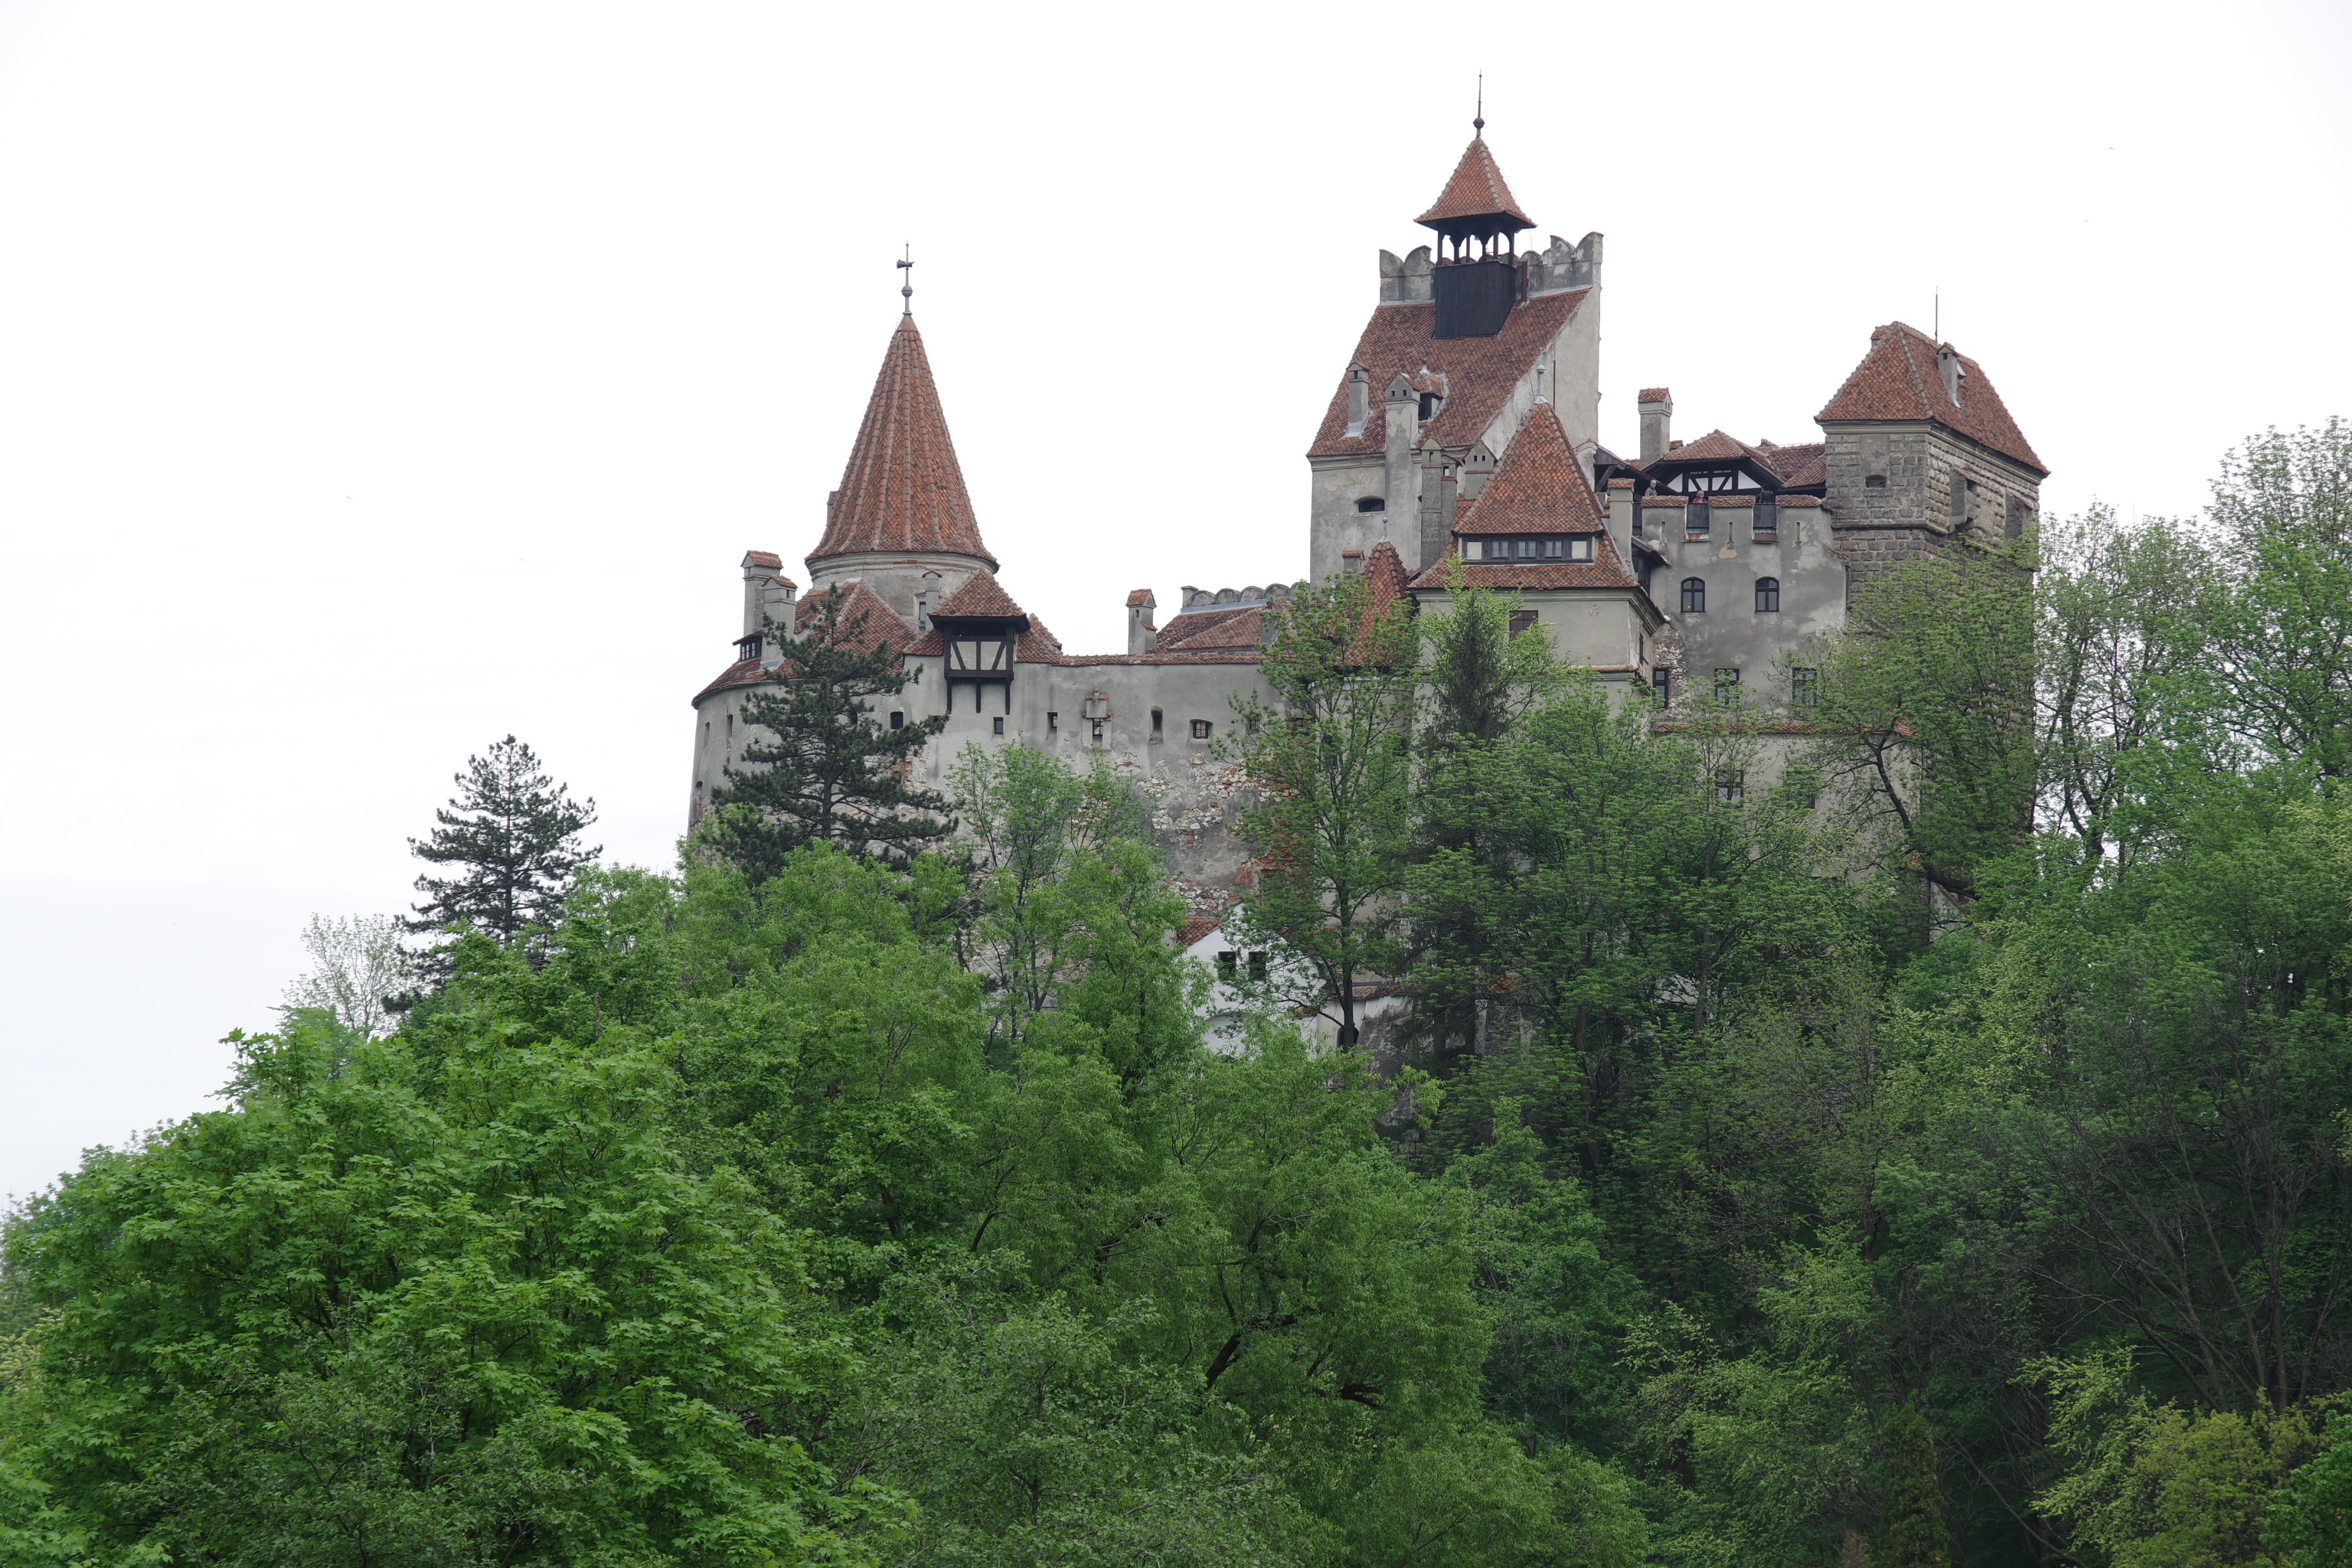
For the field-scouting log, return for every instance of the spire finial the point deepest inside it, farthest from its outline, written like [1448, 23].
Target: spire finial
[906, 286]
[1478, 124]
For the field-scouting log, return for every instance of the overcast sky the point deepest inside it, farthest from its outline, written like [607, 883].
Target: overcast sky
[379, 379]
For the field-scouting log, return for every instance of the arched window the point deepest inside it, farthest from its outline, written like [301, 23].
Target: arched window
[1371, 503]
[1694, 597]
[1768, 593]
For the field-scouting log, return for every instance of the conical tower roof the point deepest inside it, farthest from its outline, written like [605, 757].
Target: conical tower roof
[903, 491]
[1476, 191]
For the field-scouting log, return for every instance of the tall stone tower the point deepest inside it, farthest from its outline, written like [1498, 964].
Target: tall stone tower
[1464, 341]
[902, 520]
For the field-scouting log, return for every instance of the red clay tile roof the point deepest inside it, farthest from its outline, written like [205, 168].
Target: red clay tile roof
[1802, 501]
[1522, 574]
[980, 596]
[1621, 484]
[881, 623]
[1540, 487]
[1717, 502]
[1200, 630]
[1816, 472]
[1789, 462]
[1139, 599]
[1648, 502]
[1197, 924]
[742, 673]
[903, 491]
[1715, 447]
[1897, 379]
[1480, 372]
[1654, 395]
[762, 558]
[1477, 190]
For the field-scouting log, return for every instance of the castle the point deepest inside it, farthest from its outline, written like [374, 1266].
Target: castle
[1466, 425]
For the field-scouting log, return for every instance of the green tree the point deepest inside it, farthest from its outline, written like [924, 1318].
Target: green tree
[2310, 1523]
[830, 770]
[513, 835]
[1924, 727]
[2283, 504]
[1326, 760]
[381, 1311]
[1911, 1532]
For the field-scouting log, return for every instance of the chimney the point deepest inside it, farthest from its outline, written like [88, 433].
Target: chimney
[1620, 518]
[1402, 404]
[1437, 487]
[1657, 408]
[1142, 634]
[1359, 399]
[1351, 562]
[1948, 367]
[759, 565]
[779, 606]
[925, 592]
[1476, 469]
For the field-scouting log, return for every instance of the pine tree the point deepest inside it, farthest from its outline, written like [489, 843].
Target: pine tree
[514, 835]
[832, 771]
[1911, 1532]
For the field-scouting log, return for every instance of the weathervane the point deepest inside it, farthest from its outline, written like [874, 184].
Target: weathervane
[907, 287]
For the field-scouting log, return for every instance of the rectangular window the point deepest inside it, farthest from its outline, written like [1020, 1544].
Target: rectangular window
[1730, 785]
[1000, 726]
[1727, 687]
[1227, 962]
[1202, 728]
[897, 721]
[1155, 723]
[1258, 965]
[1768, 516]
[1580, 547]
[1551, 547]
[1052, 722]
[1521, 620]
[1698, 519]
[1804, 688]
[1662, 687]
[1098, 734]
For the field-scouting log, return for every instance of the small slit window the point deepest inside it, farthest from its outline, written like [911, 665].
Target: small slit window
[1768, 593]
[999, 724]
[1694, 595]
[1202, 728]
[1371, 503]
[897, 721]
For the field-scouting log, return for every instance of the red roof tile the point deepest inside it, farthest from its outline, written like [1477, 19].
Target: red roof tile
[762, 558]
[1621, 484]
[1479, 371]
[1897, 379]
[1540, 487]
[1648, 502]
[903, 491]
[1654, 395]
[1520, 574]
[1477, 190]
[1802, 500]
[1717, 502]
[880, 622]
[1715, 447]
[1792, 462]
[1140, 599]
[1202, 629]
[980, 596]
[1197, 924]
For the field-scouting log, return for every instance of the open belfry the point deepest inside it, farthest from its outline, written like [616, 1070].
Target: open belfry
[1461, 443]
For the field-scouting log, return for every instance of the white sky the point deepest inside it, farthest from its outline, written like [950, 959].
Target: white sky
[379, 379]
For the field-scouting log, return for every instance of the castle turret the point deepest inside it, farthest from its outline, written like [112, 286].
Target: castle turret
[902, 519]
[1474, 293]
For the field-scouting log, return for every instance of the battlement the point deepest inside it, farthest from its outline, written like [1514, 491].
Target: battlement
[1559, 267]
[1198, 599]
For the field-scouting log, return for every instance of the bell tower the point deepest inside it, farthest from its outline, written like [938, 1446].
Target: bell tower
[1476, 277]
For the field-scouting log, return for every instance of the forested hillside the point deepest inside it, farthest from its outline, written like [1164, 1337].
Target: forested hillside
[1911, 1127]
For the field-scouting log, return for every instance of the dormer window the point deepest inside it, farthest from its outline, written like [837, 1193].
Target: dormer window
[751, 646]
[1371, 503]
[1429, 403]
[1533, 547]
